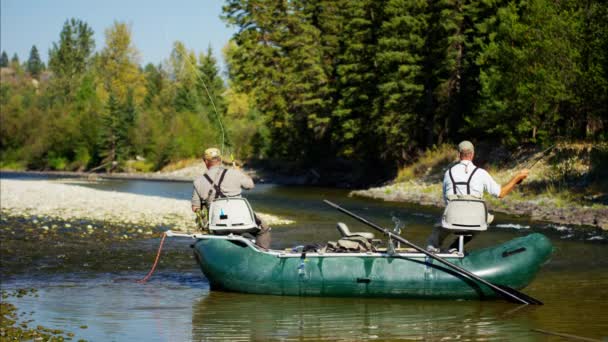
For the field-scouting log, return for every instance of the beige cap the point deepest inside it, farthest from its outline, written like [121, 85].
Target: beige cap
[212, 153]
[466, 146]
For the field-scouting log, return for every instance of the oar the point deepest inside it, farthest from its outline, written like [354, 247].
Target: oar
[506, 292]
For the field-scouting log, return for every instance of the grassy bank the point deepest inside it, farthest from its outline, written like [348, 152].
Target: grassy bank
[567, 184]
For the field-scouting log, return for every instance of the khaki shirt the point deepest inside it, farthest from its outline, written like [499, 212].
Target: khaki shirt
[231, 186]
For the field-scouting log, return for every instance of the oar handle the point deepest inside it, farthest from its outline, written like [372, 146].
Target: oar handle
[517, 297]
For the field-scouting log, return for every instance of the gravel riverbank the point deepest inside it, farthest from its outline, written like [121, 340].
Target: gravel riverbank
[69, 201]
[542, 209]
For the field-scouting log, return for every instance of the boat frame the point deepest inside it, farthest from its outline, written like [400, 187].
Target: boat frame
[295, 254]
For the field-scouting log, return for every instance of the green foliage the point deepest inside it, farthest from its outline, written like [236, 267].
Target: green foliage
[14, 60]
[69, 59]
[34, 65]
[430, 166]
[374, 83]
[118, 66]
[3, 60]
[57, 163]
[526, 71]
[390, 79]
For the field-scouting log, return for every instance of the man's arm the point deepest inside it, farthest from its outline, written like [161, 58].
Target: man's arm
[196, 200]
[446, 183]
[246, 181]
[507, 188]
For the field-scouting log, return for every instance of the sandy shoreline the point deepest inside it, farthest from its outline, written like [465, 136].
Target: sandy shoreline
[53, 198]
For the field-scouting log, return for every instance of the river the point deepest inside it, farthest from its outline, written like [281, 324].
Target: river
[105, 303]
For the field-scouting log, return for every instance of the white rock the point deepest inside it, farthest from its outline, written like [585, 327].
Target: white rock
[69, 201]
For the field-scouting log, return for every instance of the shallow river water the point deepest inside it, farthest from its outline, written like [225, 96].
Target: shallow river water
[106, 303]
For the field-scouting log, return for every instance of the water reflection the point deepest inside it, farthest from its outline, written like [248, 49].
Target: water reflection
[237, 317]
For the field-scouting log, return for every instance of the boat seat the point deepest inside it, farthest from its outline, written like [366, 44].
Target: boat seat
[345, 232]
[231, 215]
[465, 214]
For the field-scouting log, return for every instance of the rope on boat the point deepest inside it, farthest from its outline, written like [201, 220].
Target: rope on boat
[160, 248]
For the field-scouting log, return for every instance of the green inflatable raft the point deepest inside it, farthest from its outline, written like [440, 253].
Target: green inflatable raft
[234, 263]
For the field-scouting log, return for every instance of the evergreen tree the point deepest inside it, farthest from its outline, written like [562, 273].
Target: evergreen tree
[257, 65]
[526, 70]
[3, 60]
[211, 93]
[110, 133]
[15, 59]
[311, 81]
[588, 115]
[356, 112]
[69, 59]
[328, 17]
[400, 59]
[184, 72]
[117, 124]
[34, 64]
[154, 83]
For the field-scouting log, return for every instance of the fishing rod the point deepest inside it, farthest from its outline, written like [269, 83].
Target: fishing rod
[530, 164]
[198, 72]
[542, 156]
[217, 114]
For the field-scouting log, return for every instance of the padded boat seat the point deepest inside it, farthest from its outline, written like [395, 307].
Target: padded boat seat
[465, 214]
[345, 232]
[231, 215]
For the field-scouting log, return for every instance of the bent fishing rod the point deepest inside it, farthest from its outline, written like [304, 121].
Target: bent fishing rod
[535, 161]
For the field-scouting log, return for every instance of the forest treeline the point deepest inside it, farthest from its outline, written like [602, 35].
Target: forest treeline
[101, 110]
[316, 81]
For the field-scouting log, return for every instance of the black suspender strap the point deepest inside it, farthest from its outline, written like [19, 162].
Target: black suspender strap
[216, 187]
[452, 179]
[467, 183]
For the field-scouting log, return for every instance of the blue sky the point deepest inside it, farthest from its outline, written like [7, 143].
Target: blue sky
[155, 24]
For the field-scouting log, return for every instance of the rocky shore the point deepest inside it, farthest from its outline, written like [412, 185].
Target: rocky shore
[61, 200]
[537, 209]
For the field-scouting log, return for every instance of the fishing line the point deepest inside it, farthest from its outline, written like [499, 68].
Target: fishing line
[198, 72]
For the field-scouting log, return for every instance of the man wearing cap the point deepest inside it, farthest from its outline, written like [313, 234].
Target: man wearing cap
[466, 179]
[230, 182]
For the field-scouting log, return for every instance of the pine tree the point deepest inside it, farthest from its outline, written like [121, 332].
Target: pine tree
[525, 72]
[69, 59]
[34, 64]
[117, 126]
[184, 72]
[15, 59]
[400, 59]
[154, 83]
[328, 17]
[257, 66]
[110, 133]
[211, 93]
[589, 114]
[356, 113]
[4, 60]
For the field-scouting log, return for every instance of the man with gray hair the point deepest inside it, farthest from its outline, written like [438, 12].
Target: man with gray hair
[220, 182]
[466, 179]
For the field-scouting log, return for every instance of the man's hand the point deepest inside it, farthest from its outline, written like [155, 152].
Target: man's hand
[521, 175]
[518, 178]
[195, 209]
